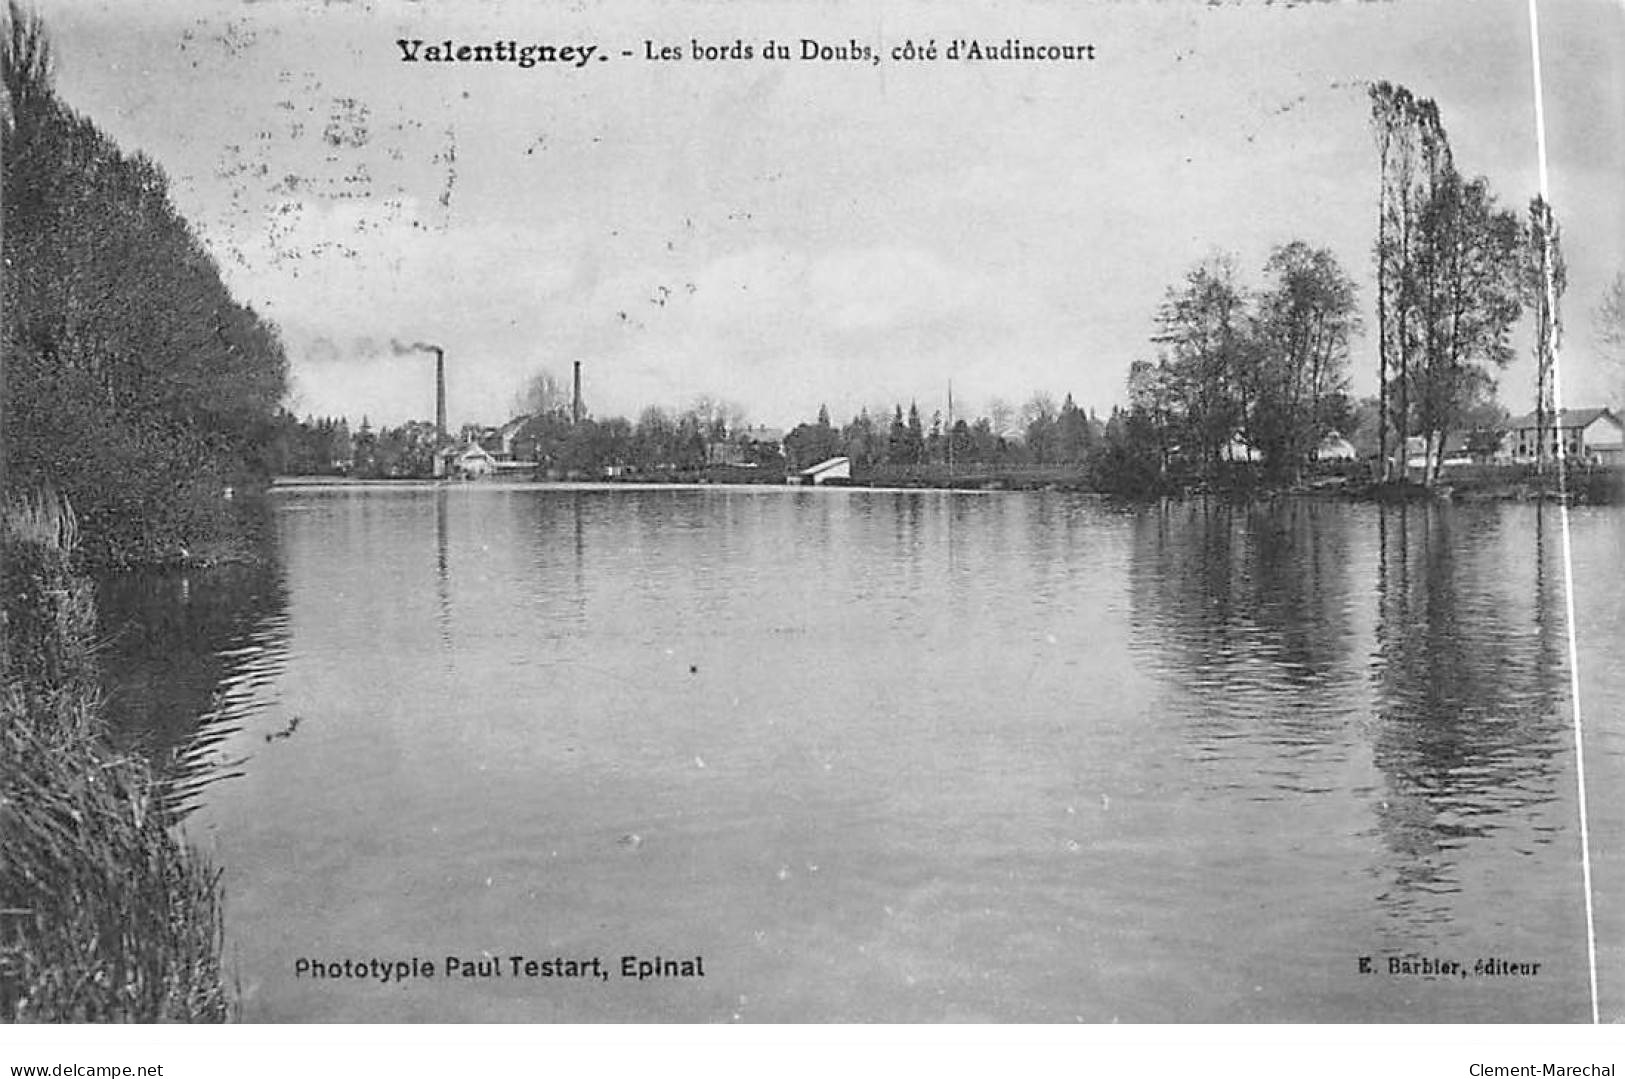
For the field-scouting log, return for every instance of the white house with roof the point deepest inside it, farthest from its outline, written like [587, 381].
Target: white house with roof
[1592, 435]
[468, 461]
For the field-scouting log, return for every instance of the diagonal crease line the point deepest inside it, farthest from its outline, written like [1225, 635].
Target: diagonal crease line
[1563, 511]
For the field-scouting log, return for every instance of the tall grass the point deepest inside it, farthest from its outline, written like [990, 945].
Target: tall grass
[105, 913]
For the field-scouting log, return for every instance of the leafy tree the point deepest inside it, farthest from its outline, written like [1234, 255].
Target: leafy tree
[1392, 111]
[897, 439]
[1001, 418]
[1451, 272]
[1038, 419]
[962, 442]
[862, 441]
[936, 445]
[1470, 296]
[1296, 371]
[613, 442]
[717, 417]
[1130, 460]
[1545, 277]
[914, 444]
[1415, 159]
[1074, 435]
[1151, 404]
[654, 438]
[364, 450]
[809, 443]
[690, 449]
[987, 445]
[1203, 330]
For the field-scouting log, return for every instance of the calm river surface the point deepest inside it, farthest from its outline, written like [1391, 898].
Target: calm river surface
[900, 756]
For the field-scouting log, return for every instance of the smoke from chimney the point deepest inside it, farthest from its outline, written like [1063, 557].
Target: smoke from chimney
[439, 379]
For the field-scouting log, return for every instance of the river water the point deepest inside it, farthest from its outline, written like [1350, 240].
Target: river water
[900, 756]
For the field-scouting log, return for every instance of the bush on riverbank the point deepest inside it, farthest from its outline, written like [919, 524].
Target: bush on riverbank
[105, 914]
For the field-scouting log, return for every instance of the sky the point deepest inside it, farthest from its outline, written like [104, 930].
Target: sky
[789, 233]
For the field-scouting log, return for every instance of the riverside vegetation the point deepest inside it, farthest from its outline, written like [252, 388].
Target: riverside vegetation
[135, 385]
[105, 913]
[137, 393]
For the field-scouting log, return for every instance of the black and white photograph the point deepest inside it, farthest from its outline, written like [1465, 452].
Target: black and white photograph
[813, 513]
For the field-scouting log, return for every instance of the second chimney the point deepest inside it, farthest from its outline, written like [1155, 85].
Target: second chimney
[440, 393]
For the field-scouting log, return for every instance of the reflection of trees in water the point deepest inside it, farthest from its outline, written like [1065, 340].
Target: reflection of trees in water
[1249, 615]
[1247, 606]
[1468, 681]
[184, 652]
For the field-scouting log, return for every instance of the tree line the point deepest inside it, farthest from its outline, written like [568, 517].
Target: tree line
[1263, 372]
[1455, 273]
[1243, 371]
[663, 440]
[1042, 433]
[135, 385]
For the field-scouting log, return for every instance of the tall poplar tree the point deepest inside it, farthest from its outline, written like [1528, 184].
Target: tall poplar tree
[1449, 277]
[1545, 280]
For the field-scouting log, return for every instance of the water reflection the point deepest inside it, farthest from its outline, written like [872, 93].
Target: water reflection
[1468, 677]
[188, 655]
[556, 529]
[1257, 621]
[1247, 611]
[907, 755]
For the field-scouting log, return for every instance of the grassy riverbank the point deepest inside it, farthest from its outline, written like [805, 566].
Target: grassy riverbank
[1592, 485]
[106, 915]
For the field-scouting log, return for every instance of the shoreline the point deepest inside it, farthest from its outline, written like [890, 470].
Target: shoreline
[1601, 486]
[110, 915]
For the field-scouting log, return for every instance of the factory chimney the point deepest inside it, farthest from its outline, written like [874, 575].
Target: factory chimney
[440, 393]
[575, 401]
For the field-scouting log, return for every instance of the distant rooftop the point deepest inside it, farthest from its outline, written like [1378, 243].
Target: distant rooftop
[1568, 417]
